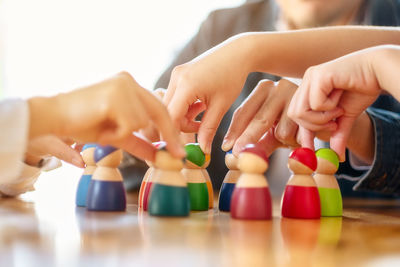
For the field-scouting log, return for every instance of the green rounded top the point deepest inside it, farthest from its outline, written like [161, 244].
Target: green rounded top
[328, 154]
[194, 154]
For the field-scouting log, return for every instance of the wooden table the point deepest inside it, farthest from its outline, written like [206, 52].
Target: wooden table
[44, 228]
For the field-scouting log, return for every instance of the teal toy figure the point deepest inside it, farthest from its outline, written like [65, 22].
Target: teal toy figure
[197, 184]
[84, 181]
[328, 188]
[169, 194]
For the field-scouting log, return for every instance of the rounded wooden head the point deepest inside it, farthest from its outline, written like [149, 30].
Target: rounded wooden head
[252, 159]
[328, 161]
[165, 161]
[194, 154]
[107, 156]
[302, 161]
[231, 161]
[88, 154]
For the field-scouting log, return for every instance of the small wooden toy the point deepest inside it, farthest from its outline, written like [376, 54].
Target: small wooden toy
[106, 190]
[208, 181]
[169, 195]
[301, 197]
[194, 176]
[83, 186]
[251, 199]
[231, 177]
[145, 187]
[328, 188]
[147, 181]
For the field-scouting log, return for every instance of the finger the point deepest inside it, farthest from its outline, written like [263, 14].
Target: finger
[339, 138]
[286, 130]
[269, 143]
[329, 126]
[305, 138]
[209, 124]
[262, 121]
[322, 117]
[138, 147]
[57, 148]
[247, 110]
[159, 115]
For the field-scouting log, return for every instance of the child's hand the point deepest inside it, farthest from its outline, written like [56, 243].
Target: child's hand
[106, 113]
[214, 79]
[348, 84]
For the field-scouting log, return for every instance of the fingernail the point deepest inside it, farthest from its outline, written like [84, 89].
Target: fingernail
[182, 151]
[227, 144]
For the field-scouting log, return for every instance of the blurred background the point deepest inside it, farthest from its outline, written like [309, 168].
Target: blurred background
[51, 46]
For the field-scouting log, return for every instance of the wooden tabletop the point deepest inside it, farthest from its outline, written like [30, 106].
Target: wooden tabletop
[44, 228]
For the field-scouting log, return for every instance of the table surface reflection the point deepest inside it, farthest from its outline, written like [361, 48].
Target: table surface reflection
[39, 229]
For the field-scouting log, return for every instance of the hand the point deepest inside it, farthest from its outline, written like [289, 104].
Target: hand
[346, 85]
[106, 113]
[210, 82]
[50, 145]
[264, 109]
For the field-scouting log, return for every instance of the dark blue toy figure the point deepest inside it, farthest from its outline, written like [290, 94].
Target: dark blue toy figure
[83, 186]
[231, 177]
[106, 190]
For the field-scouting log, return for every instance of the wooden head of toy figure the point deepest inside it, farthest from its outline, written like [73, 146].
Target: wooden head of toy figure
[107, 156]
[195, 157]
[231, 161]
[88, 154]
[164, 160]
[328, 161]
[252, 159]
[302, 161]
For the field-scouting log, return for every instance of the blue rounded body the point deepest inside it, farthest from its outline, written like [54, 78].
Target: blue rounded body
[106, 196]
[225, 196]
[81, 192]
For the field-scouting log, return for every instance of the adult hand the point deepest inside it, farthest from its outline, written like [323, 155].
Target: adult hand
[210, 82]
[106, 113]
[50, 145]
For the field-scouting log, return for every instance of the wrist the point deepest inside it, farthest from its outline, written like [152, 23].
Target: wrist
[43, 116]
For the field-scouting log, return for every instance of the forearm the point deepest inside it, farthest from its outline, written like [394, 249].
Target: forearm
[385, 62]
[290, 53]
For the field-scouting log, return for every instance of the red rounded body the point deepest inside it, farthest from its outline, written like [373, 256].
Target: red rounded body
[251, 203]
[301, 202]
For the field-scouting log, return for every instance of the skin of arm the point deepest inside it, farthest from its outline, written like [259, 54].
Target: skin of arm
[227, 65]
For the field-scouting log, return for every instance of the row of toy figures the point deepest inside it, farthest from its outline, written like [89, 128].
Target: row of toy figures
[245, 192]
[174, 193]
[172, 187]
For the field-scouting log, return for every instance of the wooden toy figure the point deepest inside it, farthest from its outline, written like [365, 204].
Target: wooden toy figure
[251, 199]
[208, 181]
[147, 181]
[169, 195]
[301, 198]
[231, 177]
[328, 188]
[194, 176]
[145, 187]
[106, 190]
[83, 186]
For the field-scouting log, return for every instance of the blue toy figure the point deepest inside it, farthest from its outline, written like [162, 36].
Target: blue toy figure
[83, 186]
[106, 190]
[229, 182]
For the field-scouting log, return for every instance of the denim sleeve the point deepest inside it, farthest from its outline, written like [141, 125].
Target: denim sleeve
[384, 174]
